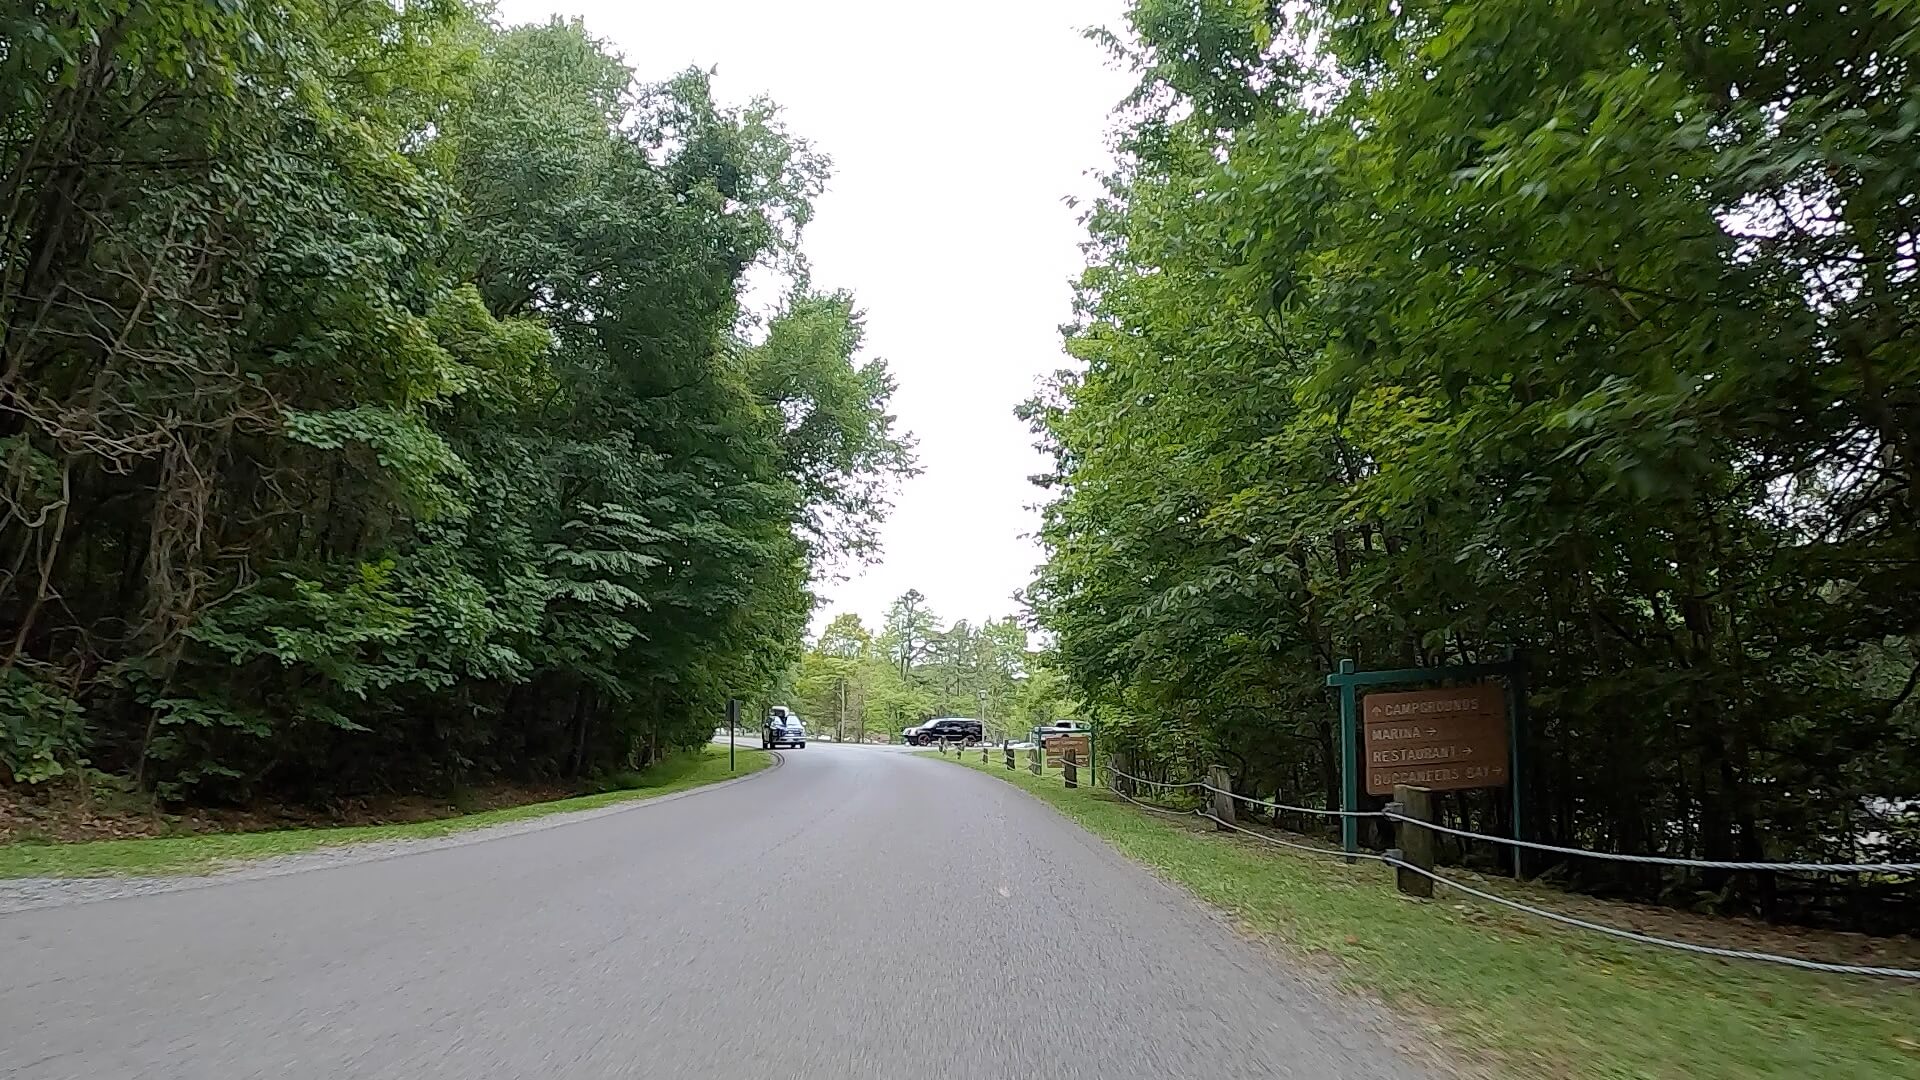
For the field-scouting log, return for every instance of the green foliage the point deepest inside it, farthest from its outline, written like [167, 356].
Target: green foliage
[913, 671]
[1413, 336]
[838, 439]
[404, 448]
[381, 412]
[42, 731]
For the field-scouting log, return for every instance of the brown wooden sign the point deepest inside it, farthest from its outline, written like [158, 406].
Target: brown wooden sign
[1058, 745]
[1440, 739]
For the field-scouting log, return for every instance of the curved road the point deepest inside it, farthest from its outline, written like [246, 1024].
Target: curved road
[858, 912]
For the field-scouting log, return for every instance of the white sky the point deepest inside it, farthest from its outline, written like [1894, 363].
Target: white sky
[955, 132]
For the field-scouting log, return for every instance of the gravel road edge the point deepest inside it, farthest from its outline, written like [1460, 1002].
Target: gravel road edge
[35, 893]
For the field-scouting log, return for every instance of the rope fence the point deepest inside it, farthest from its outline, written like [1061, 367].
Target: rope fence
[1648, 939]
[1162, 784]
[1396, 859]
[1296, 809]
[1315, 849]
[1150, 806]
[1094, 770]
[1664, 860]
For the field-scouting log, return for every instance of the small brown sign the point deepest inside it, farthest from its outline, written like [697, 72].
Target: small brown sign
[1058, 745]
[1440, 739]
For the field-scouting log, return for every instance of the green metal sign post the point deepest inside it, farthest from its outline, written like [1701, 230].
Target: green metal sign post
[1349, 680]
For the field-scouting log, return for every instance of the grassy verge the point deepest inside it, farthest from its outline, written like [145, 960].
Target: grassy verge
[197, 854]
[1515, 994]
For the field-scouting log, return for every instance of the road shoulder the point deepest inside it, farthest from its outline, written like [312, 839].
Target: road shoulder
[301, 851]
[1507, 995]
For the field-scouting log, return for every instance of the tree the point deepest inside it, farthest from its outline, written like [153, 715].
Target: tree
[1412, 336]
[838, 439]
[958, 671]
[909, 630]
[830, 690]
[377, 408]
[1041, 698]
[846, 637]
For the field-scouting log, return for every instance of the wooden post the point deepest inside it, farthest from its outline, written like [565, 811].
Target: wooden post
[1009, 751]
[1415, 842]
[1070, 768]
[1222, 802]
[983, 753]
[1033, 761]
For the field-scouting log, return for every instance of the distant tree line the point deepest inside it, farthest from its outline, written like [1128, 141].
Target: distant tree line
[873, 684]
[1412, 333]
[377, 406]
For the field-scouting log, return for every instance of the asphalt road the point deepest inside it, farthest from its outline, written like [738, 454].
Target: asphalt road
[858, 912]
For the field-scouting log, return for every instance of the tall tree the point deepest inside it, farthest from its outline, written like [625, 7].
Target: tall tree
[377, 407]
[909, 630]
[1412, 335]
[846, 637]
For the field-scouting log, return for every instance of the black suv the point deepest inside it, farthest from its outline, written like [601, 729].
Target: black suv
[964, 732]
[783, 729]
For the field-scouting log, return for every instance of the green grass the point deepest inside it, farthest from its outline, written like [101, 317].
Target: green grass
[198, 854]
[1512, 993]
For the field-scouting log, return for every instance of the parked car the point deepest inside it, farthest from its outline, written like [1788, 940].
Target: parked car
[783, 728]
[952, 729]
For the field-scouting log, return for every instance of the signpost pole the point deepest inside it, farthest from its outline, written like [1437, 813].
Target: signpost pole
[1516, 742]
[1349, 763]
[733, 722]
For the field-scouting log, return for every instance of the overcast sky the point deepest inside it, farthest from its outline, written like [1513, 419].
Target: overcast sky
[955, 131]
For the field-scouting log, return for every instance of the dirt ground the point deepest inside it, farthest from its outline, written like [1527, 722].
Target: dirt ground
[69, 813]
